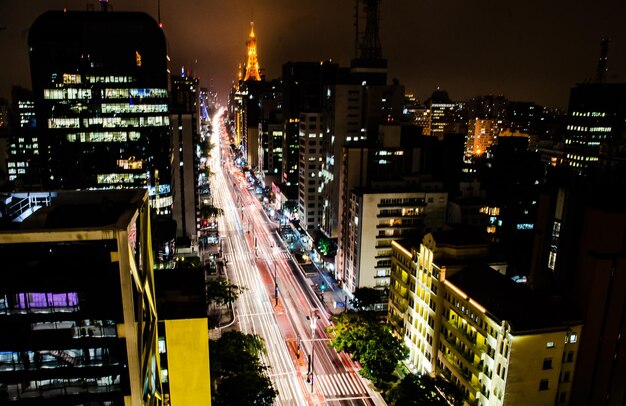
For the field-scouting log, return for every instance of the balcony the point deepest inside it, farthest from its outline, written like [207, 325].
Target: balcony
[403, 203]
[463, 356]
[400, 305]
[398, 225]
[465, 337]
[398, 213]
[456, 365]
[398, 235]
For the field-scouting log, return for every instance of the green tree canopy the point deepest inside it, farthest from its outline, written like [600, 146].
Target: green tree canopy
[246, 388]
[369, 342]
[238, 376]
[381, 355]
[220, 292]
[207, 211]
[414, 390]
[366, 298]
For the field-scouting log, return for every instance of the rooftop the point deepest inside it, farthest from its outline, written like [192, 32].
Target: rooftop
[69, 209]
[459, 236]
[504, 299]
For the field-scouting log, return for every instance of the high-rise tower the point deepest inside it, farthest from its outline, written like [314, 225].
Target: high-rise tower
[252, 66]
[101, 102]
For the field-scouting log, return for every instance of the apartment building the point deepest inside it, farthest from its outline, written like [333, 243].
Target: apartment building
[496, 340]
[377, 217]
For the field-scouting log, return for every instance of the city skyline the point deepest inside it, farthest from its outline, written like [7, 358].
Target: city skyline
[526, 52]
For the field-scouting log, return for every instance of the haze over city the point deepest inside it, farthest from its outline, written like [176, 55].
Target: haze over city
[339, 203]
[527, 51]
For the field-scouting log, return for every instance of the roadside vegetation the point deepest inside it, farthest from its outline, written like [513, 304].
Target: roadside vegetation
[237, 375]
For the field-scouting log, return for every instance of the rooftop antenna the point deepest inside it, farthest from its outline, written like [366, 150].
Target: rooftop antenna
[370, 45]
[367, 43]
[356, 28]
[159, 13]
[104, 5]
[602, 62]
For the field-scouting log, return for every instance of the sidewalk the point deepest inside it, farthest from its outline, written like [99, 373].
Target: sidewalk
[325, 288]
[323, 285]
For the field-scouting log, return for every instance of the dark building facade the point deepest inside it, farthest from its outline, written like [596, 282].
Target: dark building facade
[303, 87]
[596, 123]
[23, 163]
[78, 321]
[579, 256]
[185, 118]
[101, 101]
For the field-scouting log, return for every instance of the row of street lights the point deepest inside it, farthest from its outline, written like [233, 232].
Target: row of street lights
[313, 318]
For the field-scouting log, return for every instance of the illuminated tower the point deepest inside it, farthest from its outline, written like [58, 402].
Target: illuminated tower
[252, 66]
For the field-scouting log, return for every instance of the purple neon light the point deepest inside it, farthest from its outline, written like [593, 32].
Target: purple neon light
[43, 300]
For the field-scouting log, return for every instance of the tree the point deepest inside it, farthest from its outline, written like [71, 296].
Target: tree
[349, 332]
[414, 390]
[238, 376]
[207, 211]
[220, 292]
[382, 353]
[369, 342]
[366, 298]
[234, 349]
[188, 263]
[246, 388]
[207, 146]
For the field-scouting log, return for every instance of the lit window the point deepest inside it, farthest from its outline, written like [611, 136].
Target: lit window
[550, 344]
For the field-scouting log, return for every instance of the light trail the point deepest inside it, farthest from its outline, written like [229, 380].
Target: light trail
[253, 310]
[257, 259]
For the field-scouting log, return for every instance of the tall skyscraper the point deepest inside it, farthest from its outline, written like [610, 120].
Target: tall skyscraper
[441, 117]
[23, 162]
[303, 84]
[185, 118]
[579, 256]
[596, 122]
[101, 102]
[310, 170]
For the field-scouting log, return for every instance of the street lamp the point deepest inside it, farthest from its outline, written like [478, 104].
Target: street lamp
[313, 320]
[276, 290]
[309, 374]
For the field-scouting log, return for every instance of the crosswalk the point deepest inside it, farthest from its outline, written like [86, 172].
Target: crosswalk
[339, 384]
[280, 254]
[270, 256]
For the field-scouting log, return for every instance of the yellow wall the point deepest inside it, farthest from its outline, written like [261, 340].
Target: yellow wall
[187, 344]
[526, 368]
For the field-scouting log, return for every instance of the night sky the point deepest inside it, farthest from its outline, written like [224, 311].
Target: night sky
[532, 50]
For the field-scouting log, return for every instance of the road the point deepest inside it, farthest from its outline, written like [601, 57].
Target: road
[292, 323]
